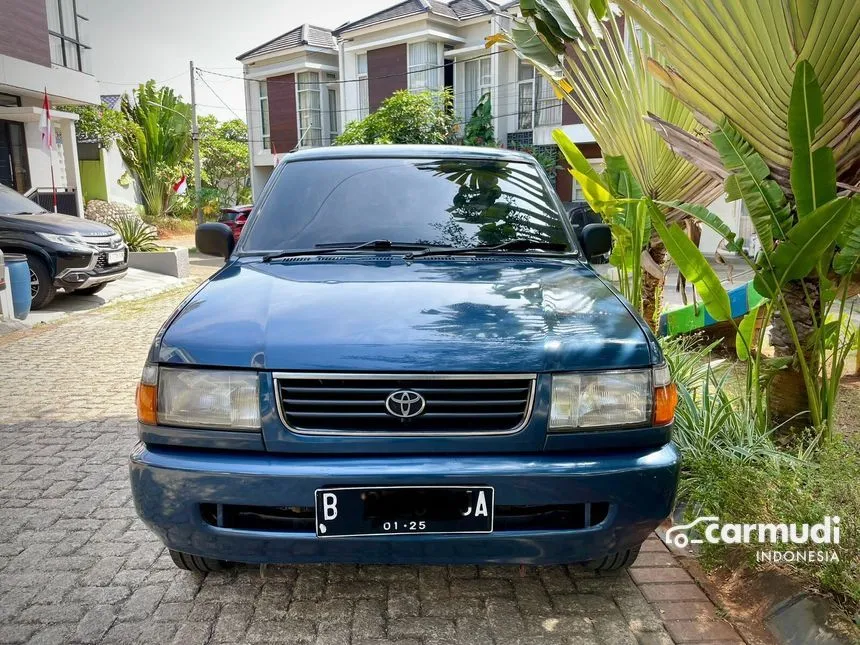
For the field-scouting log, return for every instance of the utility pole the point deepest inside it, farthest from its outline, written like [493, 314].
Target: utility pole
[195, 140]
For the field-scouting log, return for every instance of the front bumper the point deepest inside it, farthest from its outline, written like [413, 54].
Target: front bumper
[80, 272]
[82, 280]
[169, 486]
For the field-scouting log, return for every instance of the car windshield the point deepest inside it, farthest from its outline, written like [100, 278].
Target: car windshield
[12, 202]
[428, 202]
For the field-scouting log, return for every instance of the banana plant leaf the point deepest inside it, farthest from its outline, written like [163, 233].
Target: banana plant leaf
[744, 335]
[557, 15]
[575, 158]
[806, 242]
[767, 204]
[693, 265]
[848, 258]
[710, 219]
[596, 194]
[813, 171]
[620, 179]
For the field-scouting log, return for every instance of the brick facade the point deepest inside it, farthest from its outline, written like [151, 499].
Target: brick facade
[284, 127]
[386, 68]
[24, 31]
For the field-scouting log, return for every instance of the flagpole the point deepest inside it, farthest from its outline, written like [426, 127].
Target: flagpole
[48, 140]
[53, 183]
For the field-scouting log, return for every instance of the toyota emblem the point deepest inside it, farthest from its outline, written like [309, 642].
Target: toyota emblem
[405, 404]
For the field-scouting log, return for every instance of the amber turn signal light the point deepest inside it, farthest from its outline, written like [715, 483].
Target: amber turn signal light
[147, 401]
[147, 395]
[665, 400]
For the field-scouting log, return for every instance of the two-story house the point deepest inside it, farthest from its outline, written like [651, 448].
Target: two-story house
[292, 96]
[44, 44]
[415, 45]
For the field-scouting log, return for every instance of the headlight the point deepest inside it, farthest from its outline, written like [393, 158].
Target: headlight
[67, 240]
[615, 399]
[220, 399]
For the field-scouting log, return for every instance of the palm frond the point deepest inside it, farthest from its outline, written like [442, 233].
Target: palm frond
[603, 76]
[738, 59]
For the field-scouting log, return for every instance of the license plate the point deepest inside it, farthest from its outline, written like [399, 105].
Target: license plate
[115, 256]
[406, 510]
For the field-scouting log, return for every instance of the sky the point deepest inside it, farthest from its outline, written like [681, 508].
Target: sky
[136, 40]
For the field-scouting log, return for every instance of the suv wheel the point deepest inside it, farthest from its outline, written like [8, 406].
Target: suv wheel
[89, 291]
[197, 563]
[42, 289]
[613, 561]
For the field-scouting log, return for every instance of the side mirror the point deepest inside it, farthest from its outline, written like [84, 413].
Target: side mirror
[596, 240]
[215, 238]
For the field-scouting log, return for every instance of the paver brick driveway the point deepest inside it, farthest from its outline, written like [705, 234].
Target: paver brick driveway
[76, 565]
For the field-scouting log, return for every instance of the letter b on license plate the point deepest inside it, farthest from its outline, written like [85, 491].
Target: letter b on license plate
[351, 512]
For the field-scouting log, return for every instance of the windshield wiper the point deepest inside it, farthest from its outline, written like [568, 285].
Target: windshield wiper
[517, 245]
[338, 247]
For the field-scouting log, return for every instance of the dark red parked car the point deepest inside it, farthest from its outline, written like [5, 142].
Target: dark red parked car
[235, 217]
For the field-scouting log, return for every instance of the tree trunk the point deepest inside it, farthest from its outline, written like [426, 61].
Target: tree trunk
[652, 288]
[788, 398]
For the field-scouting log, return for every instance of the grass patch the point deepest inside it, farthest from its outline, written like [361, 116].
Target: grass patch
[171, 226]
[803, 492]
[734, 469]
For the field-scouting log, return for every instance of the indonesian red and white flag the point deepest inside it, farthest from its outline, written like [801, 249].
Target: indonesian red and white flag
[180, 186]
[45, 125]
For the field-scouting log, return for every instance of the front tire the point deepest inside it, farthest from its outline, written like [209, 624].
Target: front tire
[197, 563]
[89, 291]
[42, 290]
[613, 561]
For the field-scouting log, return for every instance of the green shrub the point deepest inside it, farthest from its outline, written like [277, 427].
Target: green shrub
[479, 129]
[137, 235]
[714, 418]
[772, 492]
[405, 117]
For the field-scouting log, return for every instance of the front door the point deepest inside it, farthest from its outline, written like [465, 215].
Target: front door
[14, 171]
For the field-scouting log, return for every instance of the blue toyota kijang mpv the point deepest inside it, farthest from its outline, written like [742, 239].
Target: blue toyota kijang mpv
[406, 358]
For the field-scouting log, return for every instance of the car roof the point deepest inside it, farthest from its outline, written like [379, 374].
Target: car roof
[407, 151]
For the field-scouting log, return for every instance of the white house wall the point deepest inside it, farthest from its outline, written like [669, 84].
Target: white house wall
[65, 156]
[64, 85]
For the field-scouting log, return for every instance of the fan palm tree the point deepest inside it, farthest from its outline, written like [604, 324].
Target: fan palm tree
[155, 143]
[599, 66]
[734, 64]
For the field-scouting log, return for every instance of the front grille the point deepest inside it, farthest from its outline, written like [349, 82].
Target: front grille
[339, 403]
[101, 263]
[104, 241]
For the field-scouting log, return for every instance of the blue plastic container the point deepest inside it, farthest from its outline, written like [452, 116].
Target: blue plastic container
[19, 279]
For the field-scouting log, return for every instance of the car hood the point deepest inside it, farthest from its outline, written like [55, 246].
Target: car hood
[353, 314]
[54, 223]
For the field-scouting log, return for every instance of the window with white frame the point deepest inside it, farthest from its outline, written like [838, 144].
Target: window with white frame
[68, 34]
[309, 109]
[363, 89]
[547, 104]
[478, 81]
[264, 115]
[425, 67]
[538, 104]
[526, 96]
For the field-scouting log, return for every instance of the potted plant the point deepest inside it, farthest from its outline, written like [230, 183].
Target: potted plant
[144, 252]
